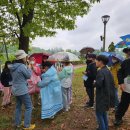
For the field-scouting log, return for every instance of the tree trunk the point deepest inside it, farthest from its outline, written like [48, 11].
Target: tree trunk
[27, 18]
[23, 42]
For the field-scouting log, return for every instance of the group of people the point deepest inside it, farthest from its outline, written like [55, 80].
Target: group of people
[107, 80]
[25, 80]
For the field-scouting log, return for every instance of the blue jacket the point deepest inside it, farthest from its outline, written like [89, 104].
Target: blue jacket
[20, 74]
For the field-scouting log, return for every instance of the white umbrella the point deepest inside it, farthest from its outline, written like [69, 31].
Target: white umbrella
[61, 55]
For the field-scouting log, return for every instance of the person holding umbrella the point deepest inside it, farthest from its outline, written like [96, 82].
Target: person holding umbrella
[116, 64]
[124, 82]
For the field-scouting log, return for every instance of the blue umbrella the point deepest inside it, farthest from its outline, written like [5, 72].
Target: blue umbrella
[109, 55]
[121, 44]
[112, 54]
[126, 38]
[119, 57]
[125, 42]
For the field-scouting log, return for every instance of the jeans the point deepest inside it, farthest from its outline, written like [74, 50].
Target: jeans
[116, 98]
[102, 120]
[26, 100]
[65, 95]
[123, 105]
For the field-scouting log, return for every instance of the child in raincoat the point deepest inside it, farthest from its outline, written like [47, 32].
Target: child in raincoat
[66, 82]
[51, 94]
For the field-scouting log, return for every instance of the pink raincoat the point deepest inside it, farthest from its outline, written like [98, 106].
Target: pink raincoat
[35, 78]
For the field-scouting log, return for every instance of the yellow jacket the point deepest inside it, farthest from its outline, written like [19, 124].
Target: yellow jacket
[114, 70]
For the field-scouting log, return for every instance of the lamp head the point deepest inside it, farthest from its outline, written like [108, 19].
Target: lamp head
[105, 19]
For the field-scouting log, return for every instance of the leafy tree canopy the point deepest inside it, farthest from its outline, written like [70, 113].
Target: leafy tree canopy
[26, 19]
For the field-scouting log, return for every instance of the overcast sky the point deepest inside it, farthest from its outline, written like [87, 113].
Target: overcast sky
[90, 27]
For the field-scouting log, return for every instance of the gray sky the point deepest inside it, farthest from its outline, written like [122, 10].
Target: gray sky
[90, 27]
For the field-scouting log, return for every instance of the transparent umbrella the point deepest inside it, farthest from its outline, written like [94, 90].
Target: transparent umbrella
[61, 55]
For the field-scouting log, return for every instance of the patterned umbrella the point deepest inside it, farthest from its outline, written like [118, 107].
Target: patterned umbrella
[61, 55]
[125, 43]
[126, 38]
[87, 50]
[122, 44]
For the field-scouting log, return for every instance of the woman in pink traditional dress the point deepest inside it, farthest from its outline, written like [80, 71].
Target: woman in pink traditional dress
[32, 82]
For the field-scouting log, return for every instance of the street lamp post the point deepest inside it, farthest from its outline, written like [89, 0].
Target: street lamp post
[105, 19]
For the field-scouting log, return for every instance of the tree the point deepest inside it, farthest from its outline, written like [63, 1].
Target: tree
[73, 51]
[54, 50]
[111, 47]
[26, 19]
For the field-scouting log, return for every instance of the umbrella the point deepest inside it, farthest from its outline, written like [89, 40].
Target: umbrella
[87, 50]
[109, 55]
[119, 57]
[61, 55]
[112, 54]
[126, 38]
[39, 57]
[122, 44]
[125, 42]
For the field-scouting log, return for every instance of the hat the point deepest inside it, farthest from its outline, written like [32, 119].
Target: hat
[126, 50]
[91, 56]
[20, 54]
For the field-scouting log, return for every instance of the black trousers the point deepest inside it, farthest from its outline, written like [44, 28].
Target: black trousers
[90, 92]
[123, 105]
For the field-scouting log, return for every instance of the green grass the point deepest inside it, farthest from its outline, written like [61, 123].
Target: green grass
[4, 121]
[79, 70]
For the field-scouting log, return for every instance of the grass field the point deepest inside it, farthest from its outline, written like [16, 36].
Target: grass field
[78, 118]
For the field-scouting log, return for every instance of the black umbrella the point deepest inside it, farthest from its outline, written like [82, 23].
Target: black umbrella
[87, 50]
